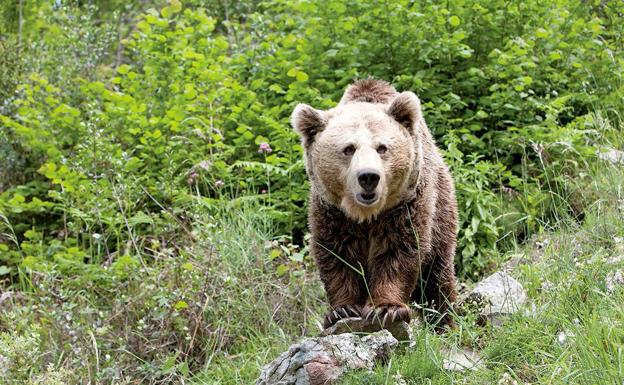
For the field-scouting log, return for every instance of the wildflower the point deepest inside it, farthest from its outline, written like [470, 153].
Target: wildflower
[191, 179]
[205, 164]
[219, 183]
[264, 148]
[506, 379]
[547, 285]
[398, 379]
[263, 191]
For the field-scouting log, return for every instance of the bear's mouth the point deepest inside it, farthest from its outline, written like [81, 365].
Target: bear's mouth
[366, 198]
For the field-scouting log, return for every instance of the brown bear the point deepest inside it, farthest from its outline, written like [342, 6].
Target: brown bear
[382, 208]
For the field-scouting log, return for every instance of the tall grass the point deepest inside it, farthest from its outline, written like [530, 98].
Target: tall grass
[216, 306]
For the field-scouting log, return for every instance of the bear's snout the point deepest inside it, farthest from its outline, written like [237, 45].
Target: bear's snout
[368, 179]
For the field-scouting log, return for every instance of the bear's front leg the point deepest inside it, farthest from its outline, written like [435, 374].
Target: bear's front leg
[391, 284]
[344, 288]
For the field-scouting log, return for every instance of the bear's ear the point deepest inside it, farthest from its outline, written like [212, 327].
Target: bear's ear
[308, 122]
[405, 109]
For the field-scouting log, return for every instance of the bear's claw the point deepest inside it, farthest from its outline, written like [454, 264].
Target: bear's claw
[387, 314]
[340, 312]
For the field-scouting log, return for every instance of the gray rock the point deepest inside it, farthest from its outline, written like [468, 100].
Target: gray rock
[457, 359]
[611, 155]
[323, 360]
[400, 330]
[497, 295]
[615, 260]
[4, 366]
[613, 280]
[5, 296]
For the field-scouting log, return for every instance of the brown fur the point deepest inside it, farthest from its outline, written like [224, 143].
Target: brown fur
[369, 91]
[405, 247]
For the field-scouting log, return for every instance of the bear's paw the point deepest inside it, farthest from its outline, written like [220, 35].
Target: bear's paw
[387, 313]
[340, 312]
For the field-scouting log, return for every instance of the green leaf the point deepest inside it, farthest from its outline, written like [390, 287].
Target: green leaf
[454, 21]
[133, 163]
[180, 305]
[176, 6]
[144, 27]
[189, 92]
[339, 7]
[151, 19]
[140, 218]
[4, 270]
[276, 88]
[260, 139]
[123, 69]
[183, 368]
[274, 254]
[481, 114]
[555, 55]
[281, 270]
[19, 198]
[541, 33]
[176, 114]
[169, 364]
[302, 76]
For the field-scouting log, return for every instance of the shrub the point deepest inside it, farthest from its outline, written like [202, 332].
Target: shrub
[130, 150]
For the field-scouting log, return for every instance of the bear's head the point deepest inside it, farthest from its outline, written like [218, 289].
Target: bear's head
[362, 156]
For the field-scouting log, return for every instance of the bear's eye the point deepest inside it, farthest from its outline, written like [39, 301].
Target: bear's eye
[349, 150]
[381, 149]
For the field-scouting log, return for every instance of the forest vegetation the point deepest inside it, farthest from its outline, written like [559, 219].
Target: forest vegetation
[153, 194]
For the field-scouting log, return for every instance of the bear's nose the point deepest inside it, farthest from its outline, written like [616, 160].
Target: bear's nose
[368, 179]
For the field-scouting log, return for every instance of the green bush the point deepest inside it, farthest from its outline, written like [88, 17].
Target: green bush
[137, 149]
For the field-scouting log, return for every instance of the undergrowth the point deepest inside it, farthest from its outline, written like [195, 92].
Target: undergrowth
[218, 307]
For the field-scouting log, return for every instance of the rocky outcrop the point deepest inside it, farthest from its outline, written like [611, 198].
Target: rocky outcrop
[495, 297]
[323, 360]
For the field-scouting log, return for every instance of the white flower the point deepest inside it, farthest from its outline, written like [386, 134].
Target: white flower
[562, 338]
